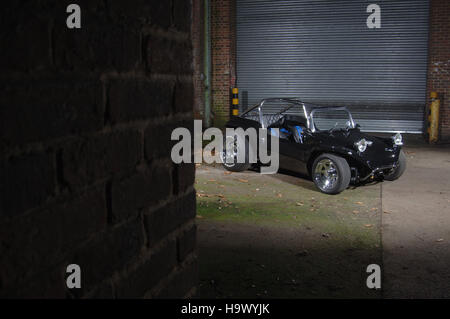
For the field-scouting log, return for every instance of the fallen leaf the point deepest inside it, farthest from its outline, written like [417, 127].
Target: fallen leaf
[439, 240]
[212, 180]
[279, 195]
[302, 253]
[368, 225]
[355, 212]
[299, 204]
[199, 216]
[359, 203]
[243, 180]
[386, 212]
[227, 173]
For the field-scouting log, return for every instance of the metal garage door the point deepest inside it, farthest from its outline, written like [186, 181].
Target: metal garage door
[323, 52]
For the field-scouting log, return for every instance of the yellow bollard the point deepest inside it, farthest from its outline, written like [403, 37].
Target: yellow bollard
[235, 102]
[433, 118]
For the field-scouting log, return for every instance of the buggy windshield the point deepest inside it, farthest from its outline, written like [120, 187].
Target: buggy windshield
[331, 118]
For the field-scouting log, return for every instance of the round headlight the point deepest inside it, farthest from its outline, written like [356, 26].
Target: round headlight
[398, 139]
[362, 145]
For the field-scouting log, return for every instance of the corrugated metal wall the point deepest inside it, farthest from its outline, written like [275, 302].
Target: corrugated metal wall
[323, 52]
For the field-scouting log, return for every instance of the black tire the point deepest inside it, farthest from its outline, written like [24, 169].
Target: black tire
[235, 166]
[399, 170]
[341, 173]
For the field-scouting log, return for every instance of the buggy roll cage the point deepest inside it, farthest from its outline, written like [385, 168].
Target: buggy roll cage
[308, 110]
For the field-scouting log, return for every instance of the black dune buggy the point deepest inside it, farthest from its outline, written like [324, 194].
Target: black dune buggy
[321, 142]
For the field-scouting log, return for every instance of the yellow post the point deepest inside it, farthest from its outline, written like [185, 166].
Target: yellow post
[235, 102]
[433, 118]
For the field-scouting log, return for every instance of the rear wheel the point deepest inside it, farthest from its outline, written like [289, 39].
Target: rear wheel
[399, 170]
[230, 154]
[331, 173]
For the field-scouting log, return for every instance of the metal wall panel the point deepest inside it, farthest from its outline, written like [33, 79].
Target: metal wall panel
[323, 52]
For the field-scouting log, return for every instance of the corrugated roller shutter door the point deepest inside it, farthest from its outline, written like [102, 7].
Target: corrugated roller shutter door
[323, 52]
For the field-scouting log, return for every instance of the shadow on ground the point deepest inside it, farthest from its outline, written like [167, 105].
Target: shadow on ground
[275, 236]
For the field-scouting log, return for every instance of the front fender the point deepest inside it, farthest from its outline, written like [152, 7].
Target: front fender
[352, 156]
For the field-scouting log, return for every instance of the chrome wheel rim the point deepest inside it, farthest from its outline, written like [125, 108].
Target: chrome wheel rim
[229, 153]
[325, 174]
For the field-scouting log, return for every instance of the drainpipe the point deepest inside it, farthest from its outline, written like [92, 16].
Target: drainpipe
[207, 64]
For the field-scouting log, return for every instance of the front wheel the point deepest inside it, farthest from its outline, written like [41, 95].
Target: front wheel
[399, 170]
[229, 154]
[331, 173]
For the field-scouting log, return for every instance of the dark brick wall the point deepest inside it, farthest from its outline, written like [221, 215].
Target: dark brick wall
[439, 60]
[85, 169]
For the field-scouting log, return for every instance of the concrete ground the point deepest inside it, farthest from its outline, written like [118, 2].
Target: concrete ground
[277, 236]
[416, 226]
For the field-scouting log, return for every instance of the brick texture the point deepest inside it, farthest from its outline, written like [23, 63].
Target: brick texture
[223, 40]
[85, 169]
[198, 43]
[439, 61]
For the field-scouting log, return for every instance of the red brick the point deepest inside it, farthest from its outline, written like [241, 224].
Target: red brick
[439, 53]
